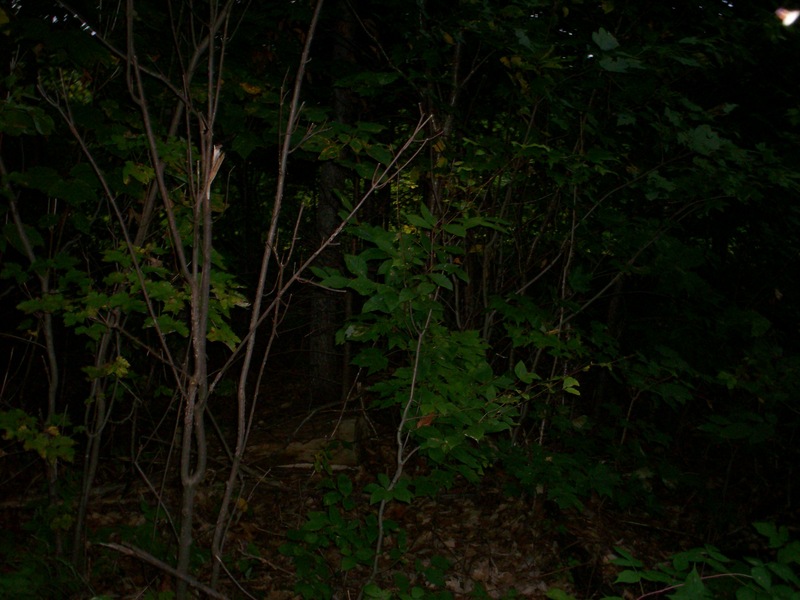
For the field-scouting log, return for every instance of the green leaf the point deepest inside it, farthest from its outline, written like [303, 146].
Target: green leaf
[427, 215]
[330, 152]
[762, 577]
[331, 498]
[456, 230]
[619, 64]
[38, 177]
[557, 594]
[626, 559]
[702, 139]
[418, 221]
[441, 280]
[790, 553]
[692, 589]
[140, 172]
[378, 494]
[785, 573]
[336, 282]
[357, 265]
[316, 521]
[570, 386]
[371, 590]
[12, 234]
[605, 40]
[403, 495]
[371, 359]
[245, 142]
[384, 299]
[746, 593]
[344, 485]
[777, 537]
[365, 170]
[370, 127]
[381, 154]
[367, 83]
[628, 577]
[168, 324]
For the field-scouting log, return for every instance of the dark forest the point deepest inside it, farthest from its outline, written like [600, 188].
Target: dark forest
[430, 300]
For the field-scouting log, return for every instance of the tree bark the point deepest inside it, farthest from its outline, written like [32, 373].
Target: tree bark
[325, 360]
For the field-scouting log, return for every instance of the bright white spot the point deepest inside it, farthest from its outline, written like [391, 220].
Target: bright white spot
[787, 17]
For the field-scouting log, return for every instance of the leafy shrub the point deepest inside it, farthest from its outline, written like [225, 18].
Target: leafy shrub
[707, 573]
[47, 441]
[351, 538]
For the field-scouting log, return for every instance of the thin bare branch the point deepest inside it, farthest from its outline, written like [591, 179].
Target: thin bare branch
[159, 564]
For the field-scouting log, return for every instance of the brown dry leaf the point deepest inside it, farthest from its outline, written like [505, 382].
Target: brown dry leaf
[455, 585]
[426, 420]
[481, 571]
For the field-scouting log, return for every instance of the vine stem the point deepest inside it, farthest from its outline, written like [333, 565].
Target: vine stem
[401, 456]
[680, 585]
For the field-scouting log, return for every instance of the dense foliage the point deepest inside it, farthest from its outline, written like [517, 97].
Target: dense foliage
[548, 243]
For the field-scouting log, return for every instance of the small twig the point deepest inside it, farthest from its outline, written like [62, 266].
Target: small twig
[160, 564]
[311, 414]
[402, 455]
[680, 585]
[270, 564]
[159, 497]
[308, 465]
[233, 580]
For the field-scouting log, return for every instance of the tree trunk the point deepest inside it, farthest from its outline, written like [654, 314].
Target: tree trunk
[325, 359]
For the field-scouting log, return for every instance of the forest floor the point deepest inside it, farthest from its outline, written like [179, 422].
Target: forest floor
[475, 541]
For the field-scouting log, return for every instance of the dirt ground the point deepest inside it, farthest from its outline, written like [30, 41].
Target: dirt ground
[494, 544]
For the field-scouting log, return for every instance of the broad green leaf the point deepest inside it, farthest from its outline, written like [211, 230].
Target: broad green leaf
[456, 230]
[316, 521]
[372, 359]
[702, 139]
[570, 386]
[523, 38]
[692, 589]
[785, 572]
[402, 495]
[605, 40]
[330, 152]
[790, 553]
[418, 221]
[441, 280]
[380, 153]
[372, 590]
[619, 64]
[762, 576]
[344, 484]
[245, 142]
[777, 536]
[626, 559]
[356, 264]
[427, 215]
[168, 324]
[222, 332]
[370, 127]
[556, 594]
[336, 282]
[628, 577]
[139, 171]
[746, 593]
